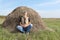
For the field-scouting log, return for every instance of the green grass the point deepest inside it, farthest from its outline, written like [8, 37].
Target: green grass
[41, 35]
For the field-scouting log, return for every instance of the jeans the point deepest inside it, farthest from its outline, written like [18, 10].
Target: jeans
[26, 29]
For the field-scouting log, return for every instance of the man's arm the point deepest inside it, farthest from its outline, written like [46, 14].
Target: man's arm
[21, 24]
[29, 21]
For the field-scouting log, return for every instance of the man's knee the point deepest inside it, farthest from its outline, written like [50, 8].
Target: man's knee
[19, 27]
[31, 25]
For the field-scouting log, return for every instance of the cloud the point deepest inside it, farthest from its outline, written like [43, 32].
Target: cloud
[49, 13]
[49, 3]
[5, 12]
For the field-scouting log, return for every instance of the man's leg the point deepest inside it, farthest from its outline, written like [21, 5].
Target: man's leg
[20, 28]
[29, 27]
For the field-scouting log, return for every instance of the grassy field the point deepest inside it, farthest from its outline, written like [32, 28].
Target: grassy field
[53, 23]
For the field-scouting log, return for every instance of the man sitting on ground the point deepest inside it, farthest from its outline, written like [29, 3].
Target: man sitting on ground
[25, 24]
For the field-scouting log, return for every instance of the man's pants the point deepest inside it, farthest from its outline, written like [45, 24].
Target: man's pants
[26, 29]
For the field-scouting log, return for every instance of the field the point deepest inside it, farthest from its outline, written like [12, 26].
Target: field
[53, 23]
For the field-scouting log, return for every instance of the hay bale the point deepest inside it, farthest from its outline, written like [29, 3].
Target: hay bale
[13, 19]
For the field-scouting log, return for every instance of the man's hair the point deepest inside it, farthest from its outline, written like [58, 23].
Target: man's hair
[24, 11]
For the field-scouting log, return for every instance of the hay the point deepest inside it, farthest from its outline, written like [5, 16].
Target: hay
[13, 19]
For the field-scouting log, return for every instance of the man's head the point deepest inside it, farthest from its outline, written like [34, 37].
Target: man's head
[25, 13]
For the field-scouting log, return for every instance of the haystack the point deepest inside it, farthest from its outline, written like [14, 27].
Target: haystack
[12, 19]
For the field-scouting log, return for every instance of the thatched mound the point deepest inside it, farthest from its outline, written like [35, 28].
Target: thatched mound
[13, 19]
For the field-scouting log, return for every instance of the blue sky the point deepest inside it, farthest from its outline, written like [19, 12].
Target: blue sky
[46, 8]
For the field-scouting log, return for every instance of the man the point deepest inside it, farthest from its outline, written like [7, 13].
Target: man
[25, 24]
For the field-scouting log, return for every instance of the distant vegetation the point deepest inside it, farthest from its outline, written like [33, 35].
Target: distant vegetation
[53, 23]
[2, 16]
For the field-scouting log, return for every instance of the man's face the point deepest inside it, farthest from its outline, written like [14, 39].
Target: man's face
[25, 13]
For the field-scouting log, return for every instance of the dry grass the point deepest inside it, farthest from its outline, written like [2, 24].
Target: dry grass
[41, 35]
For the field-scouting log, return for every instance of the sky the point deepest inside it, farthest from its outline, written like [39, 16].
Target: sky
[45, 8]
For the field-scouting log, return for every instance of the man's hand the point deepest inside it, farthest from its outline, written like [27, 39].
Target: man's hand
[25, 25]
[21, 24]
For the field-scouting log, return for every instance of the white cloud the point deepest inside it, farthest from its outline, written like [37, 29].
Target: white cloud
[49, 3]
[49, 13]
[4, 12]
